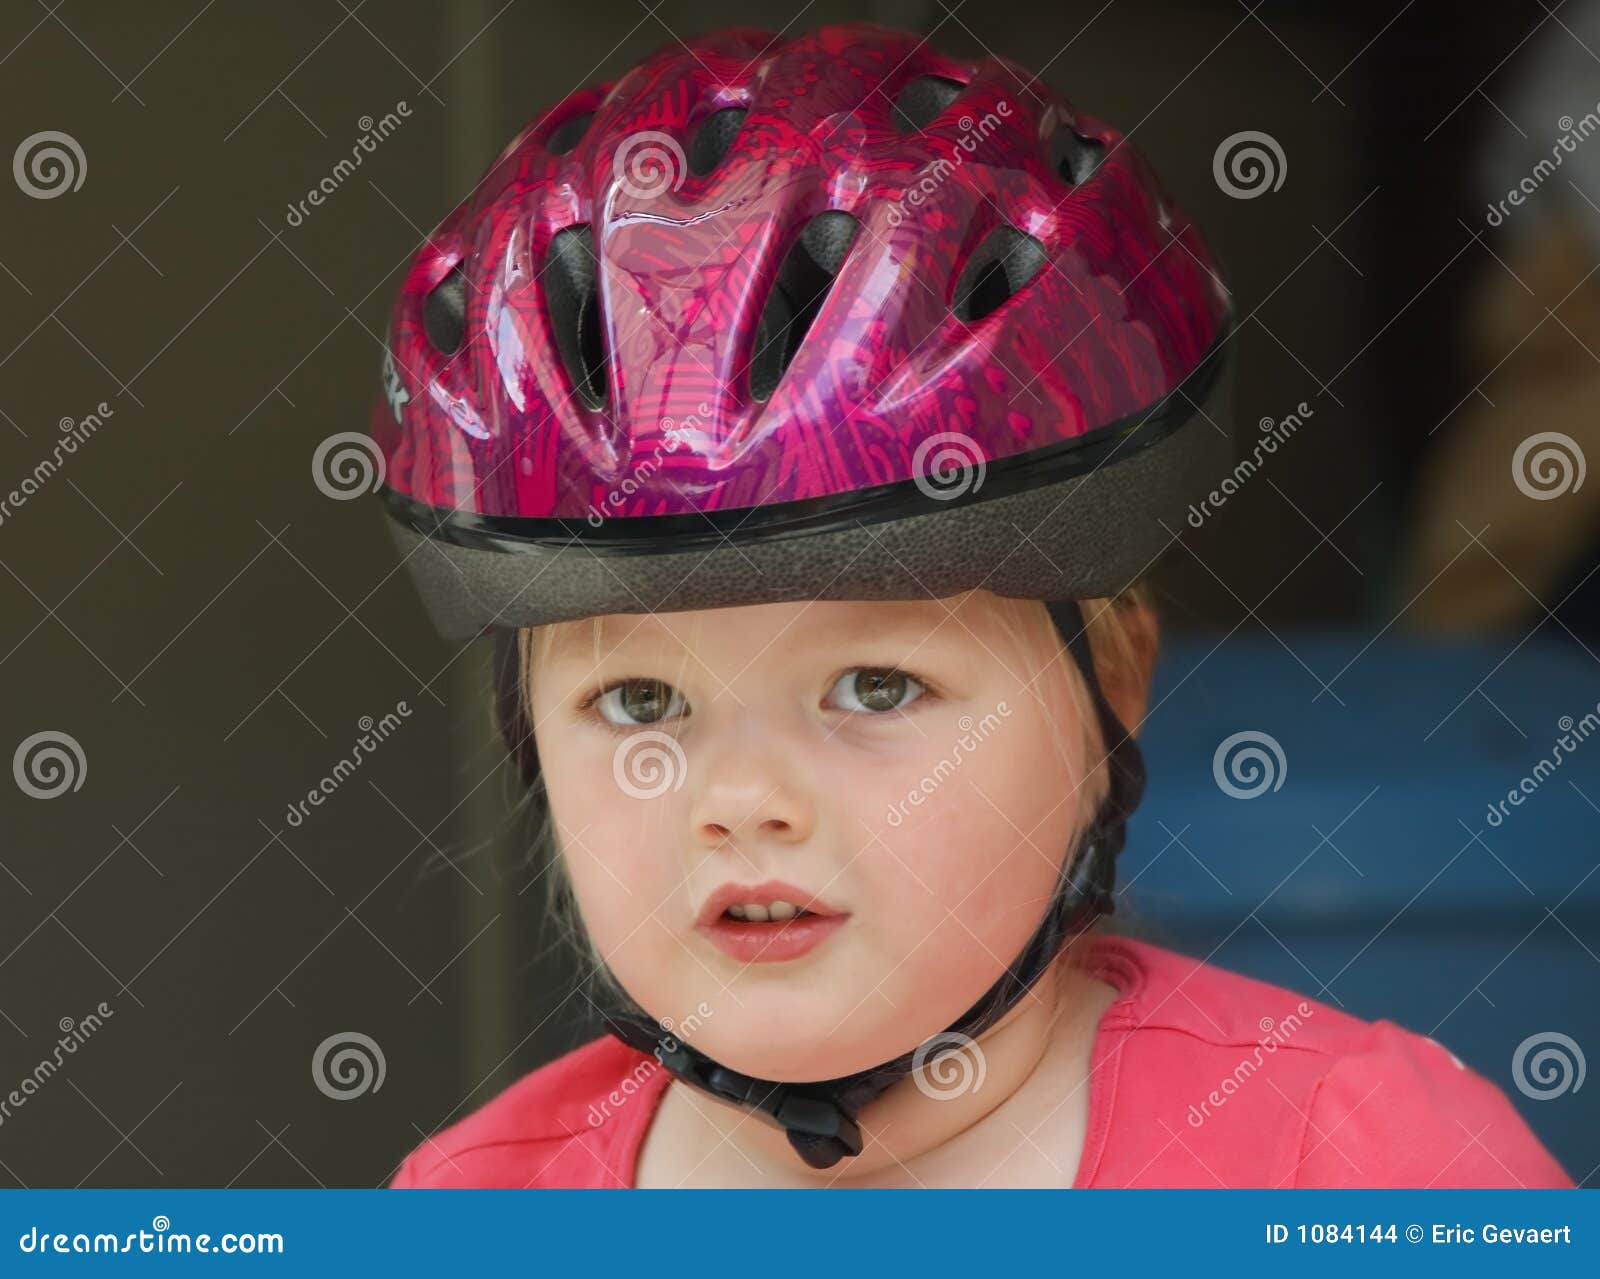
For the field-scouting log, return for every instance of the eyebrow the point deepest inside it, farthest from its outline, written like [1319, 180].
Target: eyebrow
[577, 639]
[580, 638]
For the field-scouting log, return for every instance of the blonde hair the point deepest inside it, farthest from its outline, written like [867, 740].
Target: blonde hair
[1117, 656]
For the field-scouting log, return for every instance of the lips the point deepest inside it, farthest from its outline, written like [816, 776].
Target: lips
[753, 940]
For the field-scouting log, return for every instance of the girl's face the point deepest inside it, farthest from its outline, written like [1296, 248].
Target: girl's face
[908, 770]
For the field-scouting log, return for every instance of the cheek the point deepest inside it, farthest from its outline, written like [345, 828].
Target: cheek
[616, 849]
[967, 872]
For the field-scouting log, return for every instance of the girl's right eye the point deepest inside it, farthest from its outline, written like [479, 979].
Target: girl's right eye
[633, 702]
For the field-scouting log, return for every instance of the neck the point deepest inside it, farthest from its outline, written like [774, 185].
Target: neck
[923, 1122]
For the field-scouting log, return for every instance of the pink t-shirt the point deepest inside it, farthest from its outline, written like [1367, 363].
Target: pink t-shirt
[1200, 1078]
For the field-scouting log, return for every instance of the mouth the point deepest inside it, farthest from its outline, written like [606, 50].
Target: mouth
[772, 912]
[767, 923]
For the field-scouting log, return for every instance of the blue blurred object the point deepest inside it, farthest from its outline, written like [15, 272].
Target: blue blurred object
[1342, 845]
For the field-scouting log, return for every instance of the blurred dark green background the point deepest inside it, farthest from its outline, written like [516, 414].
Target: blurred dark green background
[211, 629]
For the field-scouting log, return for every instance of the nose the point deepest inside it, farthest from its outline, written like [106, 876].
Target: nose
[747, 795]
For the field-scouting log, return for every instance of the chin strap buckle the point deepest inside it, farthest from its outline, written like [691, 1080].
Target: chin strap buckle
[819, 1130]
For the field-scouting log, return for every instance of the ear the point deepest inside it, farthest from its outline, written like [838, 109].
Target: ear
[1126, 683]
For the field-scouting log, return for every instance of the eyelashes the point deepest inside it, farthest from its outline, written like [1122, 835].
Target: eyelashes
[869, 691]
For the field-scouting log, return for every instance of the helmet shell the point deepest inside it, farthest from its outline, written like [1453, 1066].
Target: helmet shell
[1124, 303]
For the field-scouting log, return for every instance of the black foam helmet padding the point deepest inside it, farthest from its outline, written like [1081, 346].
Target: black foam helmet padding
[1074, 156]
[444, 312]
[922, 101]
[713, 138]
[998, 269]
[568, 133]
[573, 305]
[797, 294]
[820, 1118]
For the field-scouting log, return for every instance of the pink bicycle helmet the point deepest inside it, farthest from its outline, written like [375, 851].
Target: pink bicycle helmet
[829, 317]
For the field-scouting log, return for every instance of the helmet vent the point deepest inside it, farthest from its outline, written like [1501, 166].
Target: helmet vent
[999, 268]
[1074, 156]
[808, 270]
[568, 133]
[444, 312]
[573, 305]
[923, 100]
[713, 138]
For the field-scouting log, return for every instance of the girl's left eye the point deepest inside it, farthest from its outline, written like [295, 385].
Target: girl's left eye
[874, 690]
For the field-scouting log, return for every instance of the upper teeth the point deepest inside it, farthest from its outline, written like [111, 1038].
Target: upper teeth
[759, 913]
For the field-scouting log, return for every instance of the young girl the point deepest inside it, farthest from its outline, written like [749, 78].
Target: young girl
[800, 415]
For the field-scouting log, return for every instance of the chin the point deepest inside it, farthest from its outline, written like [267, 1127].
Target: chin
[772, 1044]
[790, 1059]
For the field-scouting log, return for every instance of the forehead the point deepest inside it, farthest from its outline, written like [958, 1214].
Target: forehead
[799, 626]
